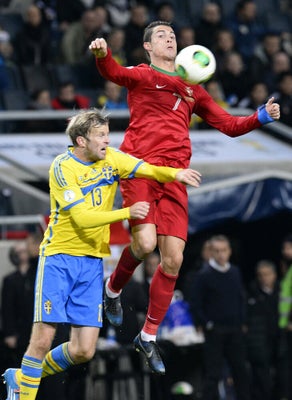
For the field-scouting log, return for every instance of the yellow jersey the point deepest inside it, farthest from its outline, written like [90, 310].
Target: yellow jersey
[82, 197]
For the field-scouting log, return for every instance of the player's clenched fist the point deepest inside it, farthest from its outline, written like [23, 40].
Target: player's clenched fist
[98, 47]
[189, 177]
[139, 210]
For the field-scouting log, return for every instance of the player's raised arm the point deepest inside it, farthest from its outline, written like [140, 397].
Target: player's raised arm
[98, 47]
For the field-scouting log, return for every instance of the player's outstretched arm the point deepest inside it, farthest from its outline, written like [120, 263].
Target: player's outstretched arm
[98, 47]
[189, 177]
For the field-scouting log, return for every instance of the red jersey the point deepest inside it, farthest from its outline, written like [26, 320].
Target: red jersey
[161, 105]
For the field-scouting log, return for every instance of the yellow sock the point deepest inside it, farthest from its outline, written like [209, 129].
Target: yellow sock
[31, 371]
[29, 387]
[18, 376]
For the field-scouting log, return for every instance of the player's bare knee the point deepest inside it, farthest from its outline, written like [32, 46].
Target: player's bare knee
[171, 264]
[83, 354]
[144, 246]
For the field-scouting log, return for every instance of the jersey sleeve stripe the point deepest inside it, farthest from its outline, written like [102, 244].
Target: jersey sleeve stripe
[132, 174]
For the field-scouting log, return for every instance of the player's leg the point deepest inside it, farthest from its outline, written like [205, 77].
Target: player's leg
[161, 292]
[83, 312]
[24, 383]
[144, 242]
[172, 222]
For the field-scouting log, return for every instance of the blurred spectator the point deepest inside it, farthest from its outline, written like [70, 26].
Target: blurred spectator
[165, 12]
[6, 47]
[234, 78]
[218, 306]
[16, 6]
[116, 42]
[6, 53]
[17, 303]
[286, 254]
[74, 43]
[209, 24]
[150, 264]
[224, 44]
[134, 33]
[119, 12]
[267, 367]
[68, 99]
[40, 100]
[215, 90]
[257, 96]
[284, 97]
[261, 60]
[280, 64]
[188, 282]
[285, 307]
[246, 27]
[186, 36]
[112, 98]
[33, 43]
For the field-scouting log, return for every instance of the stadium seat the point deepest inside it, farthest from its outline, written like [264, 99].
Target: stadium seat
[36, 77]
[13, 76]
[14, 99]
[79, 74]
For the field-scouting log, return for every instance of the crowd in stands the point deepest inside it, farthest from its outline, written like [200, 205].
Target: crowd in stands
[44, 44]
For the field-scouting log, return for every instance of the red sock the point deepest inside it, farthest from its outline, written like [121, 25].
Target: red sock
[124, 270]
[161, 292]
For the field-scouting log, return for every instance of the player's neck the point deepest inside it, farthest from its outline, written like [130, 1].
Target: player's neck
[166, 65]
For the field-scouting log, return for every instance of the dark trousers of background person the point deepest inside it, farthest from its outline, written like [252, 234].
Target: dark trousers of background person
[228, 344]
[268, 358]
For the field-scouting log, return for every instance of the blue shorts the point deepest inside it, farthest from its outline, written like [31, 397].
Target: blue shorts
[69, 289]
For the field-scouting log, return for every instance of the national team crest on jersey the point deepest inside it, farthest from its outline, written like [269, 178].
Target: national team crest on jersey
[189, 91]
[107, 171]
[48, 307]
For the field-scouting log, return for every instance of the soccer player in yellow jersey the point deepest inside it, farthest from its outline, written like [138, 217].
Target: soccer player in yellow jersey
[69, 283]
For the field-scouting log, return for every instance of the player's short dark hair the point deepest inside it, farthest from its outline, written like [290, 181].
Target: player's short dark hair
[81, 123]
[149, 29]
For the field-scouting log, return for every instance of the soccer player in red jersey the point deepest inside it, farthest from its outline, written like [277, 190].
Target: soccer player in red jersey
[161, 105]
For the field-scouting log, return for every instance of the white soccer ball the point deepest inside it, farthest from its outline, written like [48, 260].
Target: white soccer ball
[195, 64]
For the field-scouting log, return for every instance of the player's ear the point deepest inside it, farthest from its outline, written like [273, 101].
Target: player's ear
[81, 141]
[147, 46]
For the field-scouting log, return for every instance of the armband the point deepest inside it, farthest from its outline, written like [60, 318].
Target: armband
[263, 115]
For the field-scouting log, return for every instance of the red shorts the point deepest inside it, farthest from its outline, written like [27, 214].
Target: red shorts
[168, 204]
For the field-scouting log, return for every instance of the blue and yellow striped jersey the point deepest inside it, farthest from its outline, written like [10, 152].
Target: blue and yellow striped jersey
[82, 197]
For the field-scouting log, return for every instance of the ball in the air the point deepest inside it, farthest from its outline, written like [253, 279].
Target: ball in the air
[195, 64]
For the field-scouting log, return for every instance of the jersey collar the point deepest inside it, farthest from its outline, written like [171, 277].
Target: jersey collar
[163, 70]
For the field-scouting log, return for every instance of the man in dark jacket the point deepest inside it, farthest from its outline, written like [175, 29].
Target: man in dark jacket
[218, 308]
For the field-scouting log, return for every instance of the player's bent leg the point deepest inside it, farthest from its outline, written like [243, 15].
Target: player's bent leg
[82, 344]
[31, 366]
[144, 242]
[161, 293]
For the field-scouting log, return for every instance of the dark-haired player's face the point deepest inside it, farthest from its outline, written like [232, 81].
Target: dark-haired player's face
[163, 42]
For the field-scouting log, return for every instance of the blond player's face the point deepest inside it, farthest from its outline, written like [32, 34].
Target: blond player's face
[163, 43]
[97, 142]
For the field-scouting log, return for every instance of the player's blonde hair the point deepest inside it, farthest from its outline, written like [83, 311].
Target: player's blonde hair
[81, 123]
